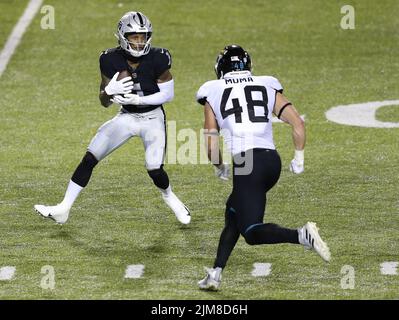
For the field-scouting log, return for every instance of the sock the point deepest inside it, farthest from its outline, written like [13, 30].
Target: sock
[228, 240]
[159, 177]
[71, 194]
[83, 172]
[270, 233]
[166, 191]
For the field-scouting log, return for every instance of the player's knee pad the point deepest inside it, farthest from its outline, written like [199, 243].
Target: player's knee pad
[229, 215]
[251, 236]
[154, 174]
[159, 177]
[89, 160]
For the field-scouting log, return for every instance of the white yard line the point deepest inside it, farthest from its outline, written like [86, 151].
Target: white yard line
[134, 271]
[361, 114]
[17, 33]
[390, 268]
[261, 269]
[7, 273]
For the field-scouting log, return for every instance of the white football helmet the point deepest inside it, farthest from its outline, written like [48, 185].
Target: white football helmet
[134, 22]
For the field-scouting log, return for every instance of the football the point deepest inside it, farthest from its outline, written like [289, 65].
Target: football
[123, 74]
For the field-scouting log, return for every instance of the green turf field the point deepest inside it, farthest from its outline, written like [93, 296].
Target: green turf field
[10, 11]
[50, 111]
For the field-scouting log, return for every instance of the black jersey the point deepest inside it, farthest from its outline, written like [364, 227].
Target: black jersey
[145, 76]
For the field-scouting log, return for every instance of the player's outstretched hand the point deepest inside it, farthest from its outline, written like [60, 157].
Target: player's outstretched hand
[128, 98]
[223, 171]
[121, 86]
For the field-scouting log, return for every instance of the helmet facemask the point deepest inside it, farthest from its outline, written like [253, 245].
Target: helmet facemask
[139, 48]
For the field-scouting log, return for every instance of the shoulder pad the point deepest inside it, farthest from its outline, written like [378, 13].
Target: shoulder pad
[110, 50]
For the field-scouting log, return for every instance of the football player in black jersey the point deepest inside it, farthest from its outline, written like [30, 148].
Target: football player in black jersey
[137, 77]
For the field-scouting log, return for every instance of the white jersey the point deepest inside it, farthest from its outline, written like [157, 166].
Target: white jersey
[243, 106]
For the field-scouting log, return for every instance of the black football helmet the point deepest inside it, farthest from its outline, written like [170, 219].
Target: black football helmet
[232, 58]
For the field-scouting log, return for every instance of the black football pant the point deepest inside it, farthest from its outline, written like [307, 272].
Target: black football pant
[245, 207]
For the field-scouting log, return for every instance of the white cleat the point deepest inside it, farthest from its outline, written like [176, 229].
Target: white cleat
[310, 238]
[57, 213]
[181, 211]
[212, 279]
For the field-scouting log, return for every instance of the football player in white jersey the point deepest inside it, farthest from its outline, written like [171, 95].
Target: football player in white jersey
[137, 77]
[240, 105]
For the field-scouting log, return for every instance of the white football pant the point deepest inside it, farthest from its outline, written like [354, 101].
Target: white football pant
[149, 126]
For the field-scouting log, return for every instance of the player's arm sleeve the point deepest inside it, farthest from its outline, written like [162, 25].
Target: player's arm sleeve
[165, 94]
[162, 62]
[202, 94]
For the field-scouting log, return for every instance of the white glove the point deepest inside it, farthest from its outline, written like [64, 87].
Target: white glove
[128, 98]
[223, 171]
[297, 164]
[122, 86]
